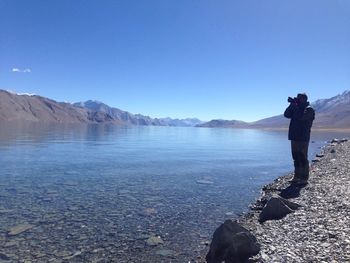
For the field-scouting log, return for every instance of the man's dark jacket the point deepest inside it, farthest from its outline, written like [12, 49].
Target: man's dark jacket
[301, 117]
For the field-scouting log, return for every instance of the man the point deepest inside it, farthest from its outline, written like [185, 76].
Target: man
[302, 115]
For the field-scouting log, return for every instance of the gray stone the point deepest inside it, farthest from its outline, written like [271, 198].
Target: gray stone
[277, 208]
[3, 256]
[154, 241]
[74, 255]
[10, 244]
[204, 182]
[142, 237]
[232, 243]
[265, 257]
[16, 230]
[5, 211]
[165, 252]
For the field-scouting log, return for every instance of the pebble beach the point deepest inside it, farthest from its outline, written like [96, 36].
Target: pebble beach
[319, 231]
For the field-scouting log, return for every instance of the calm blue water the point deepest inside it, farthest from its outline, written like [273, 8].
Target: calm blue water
[134, 182]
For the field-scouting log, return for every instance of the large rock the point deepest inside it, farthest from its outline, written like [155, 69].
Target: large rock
[277, 208]
[232, 243]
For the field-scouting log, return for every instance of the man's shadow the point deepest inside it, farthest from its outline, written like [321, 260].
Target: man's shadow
[291, 191]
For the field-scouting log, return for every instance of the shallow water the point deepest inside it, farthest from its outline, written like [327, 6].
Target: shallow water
[99, 191]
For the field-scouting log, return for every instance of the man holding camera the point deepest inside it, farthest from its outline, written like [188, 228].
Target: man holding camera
[302, 115]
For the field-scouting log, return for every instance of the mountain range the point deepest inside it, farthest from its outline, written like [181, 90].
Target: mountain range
[332, 113]
[33, 108]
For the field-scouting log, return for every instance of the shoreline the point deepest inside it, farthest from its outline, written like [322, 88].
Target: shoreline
[317, 231]
[67, 124]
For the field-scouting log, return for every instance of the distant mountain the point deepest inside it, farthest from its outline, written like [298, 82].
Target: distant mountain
[332, 113]
[135, 119]
[28, 107]
[278, 121]
[224, 124]
[117, 114]
[181, 122]
[336, 103]
[33, 108]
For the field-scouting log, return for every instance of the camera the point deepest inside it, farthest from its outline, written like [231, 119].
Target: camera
[292, 100]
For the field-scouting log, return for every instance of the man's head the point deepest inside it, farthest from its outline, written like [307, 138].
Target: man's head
[302, 98]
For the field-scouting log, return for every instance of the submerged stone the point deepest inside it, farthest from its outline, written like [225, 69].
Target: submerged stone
[4, 256]
[204, 182]
[16, 230]
[154, 241]
[165, 252]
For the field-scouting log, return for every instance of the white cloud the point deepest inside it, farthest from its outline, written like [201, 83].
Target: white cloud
[26, 70]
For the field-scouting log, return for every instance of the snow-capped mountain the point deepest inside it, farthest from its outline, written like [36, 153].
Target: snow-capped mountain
[324, 105]
[135, 119]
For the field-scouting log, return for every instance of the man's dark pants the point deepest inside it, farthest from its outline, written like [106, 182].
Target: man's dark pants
[301, 163]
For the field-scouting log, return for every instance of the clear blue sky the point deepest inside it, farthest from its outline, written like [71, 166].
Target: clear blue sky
[179, 58]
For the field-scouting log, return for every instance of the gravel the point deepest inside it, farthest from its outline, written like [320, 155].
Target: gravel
[319, 231]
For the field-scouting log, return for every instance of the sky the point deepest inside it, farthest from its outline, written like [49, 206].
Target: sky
[210, 59]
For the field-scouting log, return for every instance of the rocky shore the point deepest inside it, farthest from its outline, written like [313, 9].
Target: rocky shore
[319, 230]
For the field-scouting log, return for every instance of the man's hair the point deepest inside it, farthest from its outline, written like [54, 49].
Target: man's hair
[302, 95]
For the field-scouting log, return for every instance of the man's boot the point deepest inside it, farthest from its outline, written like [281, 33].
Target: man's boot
[297, 173]
[305, 174]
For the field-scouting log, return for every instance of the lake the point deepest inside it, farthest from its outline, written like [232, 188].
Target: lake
[104, 193]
